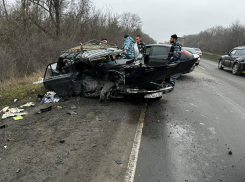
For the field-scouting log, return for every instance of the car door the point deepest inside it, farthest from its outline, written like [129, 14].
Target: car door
[228, 58]
[158, 55]
[233, 55]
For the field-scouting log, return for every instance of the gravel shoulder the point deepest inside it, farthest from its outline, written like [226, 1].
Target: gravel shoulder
[55, 146]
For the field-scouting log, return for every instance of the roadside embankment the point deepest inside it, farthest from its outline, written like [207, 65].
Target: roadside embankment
[21, 89]
[211, 56]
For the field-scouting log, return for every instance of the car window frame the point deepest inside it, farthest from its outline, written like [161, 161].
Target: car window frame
[164, 47]
[232, 51]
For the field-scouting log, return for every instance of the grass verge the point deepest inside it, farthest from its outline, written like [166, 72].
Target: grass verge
[21, 89]
[23, 93]
[211, 56]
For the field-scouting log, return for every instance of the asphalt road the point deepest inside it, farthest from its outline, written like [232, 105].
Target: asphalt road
[189, 134]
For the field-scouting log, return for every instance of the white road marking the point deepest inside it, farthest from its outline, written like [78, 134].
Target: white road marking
[201, 67]
[135, 149]
[237, 108]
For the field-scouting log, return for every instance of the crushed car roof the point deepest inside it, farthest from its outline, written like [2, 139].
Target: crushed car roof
[100, 52]
[92, 45]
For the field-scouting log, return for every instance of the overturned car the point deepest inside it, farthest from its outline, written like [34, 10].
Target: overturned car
[105, 74]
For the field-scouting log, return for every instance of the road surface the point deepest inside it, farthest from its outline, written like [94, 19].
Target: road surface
[190, 133]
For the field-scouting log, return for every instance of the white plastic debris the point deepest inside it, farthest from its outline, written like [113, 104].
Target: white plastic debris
[29, 104]
[40, 80]
[15, 100]
[4, 109]
[13, 112]
[50, 97]
[5, 146]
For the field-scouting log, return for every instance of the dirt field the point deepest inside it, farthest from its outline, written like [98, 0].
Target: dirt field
[56, 146]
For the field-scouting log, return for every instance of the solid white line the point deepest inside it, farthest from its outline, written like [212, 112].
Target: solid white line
[237, 108]
[201, 67]
[135, 149]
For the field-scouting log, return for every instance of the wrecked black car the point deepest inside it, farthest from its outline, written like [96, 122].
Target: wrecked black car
[105, 74]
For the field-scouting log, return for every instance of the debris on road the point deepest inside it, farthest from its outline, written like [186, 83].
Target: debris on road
[118, 160]
[15, 100]
[72, 112]
[40, 80]
[28, 104]
[73, 107]
[230, 153]
[44, 110]
[12, 112]
[4, 109]
[40, 97]
[62, 141]
[18, 118]
[50, 97]
[98, 119]
[59, 107]
[5, 146]
[3, 126]
[18, 170]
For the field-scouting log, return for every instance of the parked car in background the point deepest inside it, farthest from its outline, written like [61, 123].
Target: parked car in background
[194, 52]
[199, 52]
[234, 60]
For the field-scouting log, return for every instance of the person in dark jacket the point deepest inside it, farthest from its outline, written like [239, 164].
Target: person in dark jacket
[174, 56]
[141, 45]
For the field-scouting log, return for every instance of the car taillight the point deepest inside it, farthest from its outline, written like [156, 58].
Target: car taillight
[185, 52]
[201, 53]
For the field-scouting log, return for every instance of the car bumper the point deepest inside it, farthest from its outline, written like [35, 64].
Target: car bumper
[143, 91]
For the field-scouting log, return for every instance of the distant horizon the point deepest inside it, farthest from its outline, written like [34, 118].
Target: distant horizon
[160, 21]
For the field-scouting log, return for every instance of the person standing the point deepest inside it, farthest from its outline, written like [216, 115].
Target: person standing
[174, 56]
[141, 47]
[128, 46]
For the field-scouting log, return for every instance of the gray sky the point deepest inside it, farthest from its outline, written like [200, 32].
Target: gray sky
[162, 18]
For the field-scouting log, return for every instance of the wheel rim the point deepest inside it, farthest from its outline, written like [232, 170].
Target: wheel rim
[235, 67]
[220, 64]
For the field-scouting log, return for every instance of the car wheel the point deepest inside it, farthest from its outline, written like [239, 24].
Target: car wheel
[235, 70]
[220, 66]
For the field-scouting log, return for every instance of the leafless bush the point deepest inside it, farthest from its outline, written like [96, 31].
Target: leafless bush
[218, 39]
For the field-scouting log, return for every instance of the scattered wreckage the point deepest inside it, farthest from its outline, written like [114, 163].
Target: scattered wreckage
[104, 73]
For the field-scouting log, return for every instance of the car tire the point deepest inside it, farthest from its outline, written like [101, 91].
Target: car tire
[220, 66]
[235, 70]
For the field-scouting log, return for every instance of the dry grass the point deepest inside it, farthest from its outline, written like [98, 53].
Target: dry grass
[15, 81]
[21, 89]
[211, 56]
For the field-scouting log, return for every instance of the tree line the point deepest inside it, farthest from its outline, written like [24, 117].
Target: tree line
[219, 39]
[33, 32]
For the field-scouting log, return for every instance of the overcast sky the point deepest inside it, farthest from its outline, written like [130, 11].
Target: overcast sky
[162, 18]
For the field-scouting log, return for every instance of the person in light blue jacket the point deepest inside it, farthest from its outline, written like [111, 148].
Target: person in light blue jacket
[128, 46]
